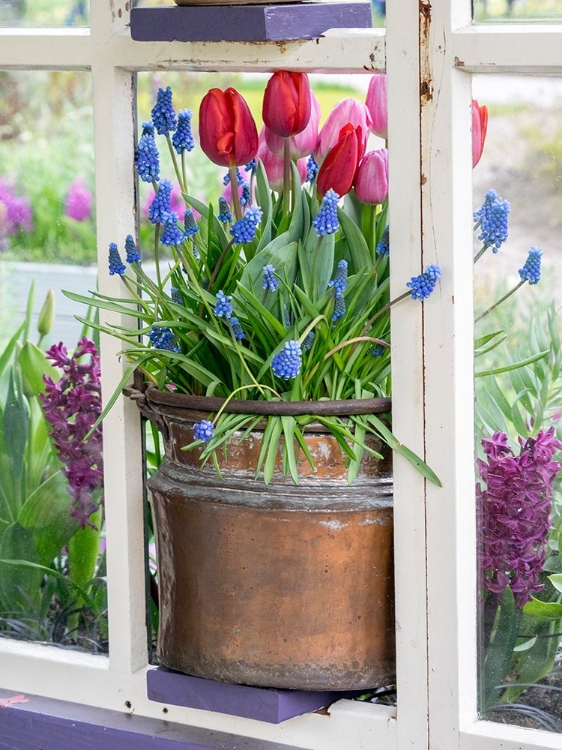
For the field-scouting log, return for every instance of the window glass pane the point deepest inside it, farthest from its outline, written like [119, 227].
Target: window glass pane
[516, 10]
[43, 13]
[518, 414]
[52, 586]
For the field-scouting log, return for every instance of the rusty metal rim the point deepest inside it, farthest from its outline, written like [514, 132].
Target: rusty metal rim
[346, 408]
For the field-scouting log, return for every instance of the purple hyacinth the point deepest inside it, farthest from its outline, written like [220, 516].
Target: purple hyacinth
[424, 284]
[245, 229]
[203, 430]
[133, 255]
[182, 140]
[531, 271]
[163, 115]
[147, 159]
[223, 308]
[383, 245]
[71, 407]
[79, 200]
[14, 210]
[116, 265]
[326, 221]
[492, 220]
[161, 204]
[513, 512]
[172, 234]
[287, 363]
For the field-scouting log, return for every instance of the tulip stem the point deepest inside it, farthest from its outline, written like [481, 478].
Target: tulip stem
[286, 175]
[234, 192]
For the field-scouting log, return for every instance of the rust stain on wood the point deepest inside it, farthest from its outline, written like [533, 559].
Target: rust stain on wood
[459, 63]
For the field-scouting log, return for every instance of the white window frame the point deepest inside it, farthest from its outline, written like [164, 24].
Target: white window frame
[430, 170]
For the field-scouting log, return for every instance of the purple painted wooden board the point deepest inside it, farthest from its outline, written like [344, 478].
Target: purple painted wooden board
[263, 704]
[246, 23]
[44, 724]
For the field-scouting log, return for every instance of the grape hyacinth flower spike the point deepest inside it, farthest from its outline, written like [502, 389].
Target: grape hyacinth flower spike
[326, 221]
[287, 363]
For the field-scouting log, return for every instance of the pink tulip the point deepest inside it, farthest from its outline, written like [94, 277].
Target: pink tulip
[479, 128]
[348, 111]
[377, 104]
[273, 164]
[302, 144]
[371, 180]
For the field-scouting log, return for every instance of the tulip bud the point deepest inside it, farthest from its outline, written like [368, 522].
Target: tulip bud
[47, 315]
[479, 128]
[227, 131]
[371, 180]
[338, 168]
[273, 164]
[302, 144]
[286, 103]
[347, 111]
[377, 104]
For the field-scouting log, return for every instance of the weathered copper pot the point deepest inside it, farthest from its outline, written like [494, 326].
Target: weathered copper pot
[287, 586]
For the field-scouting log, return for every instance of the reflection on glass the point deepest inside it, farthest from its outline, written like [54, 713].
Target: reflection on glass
[518, 364]
[44, 13]
[52, 560]
[516, 10]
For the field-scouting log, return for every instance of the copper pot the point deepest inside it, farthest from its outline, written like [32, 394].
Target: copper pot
[284, 585]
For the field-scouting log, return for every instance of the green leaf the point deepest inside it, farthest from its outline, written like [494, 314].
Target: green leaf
[289, 429]
[556, 581]
[18, 586]
[83, 550]
[46, 515]
[16, 430]
[34, 366]
[358, 249]
[408, 454]
[500, 649]
[512, 365]
[548, 610]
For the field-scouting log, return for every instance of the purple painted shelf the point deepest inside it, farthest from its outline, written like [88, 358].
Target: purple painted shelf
[263, 704]
[47, 724]
[246, 23]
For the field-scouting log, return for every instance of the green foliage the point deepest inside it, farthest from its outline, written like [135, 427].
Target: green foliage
[48, 567]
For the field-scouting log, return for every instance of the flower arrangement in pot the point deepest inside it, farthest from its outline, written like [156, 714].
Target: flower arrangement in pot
[264, 338]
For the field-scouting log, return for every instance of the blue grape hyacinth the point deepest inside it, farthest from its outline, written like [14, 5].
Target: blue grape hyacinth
[189, 224]
[161, 204]
[224, 211]
[203, 430]
[326, 221]
[237, 330]
[531, 271]
[383, 245]
[162, 337]
[133, 255]
[245, 229]
[182, 140]
[270, 283]
[340, 279]
[172, 234]
[116, 265]
[492, 219]
[163, 115]
[223, 308]
[423, 285]
[287, 363]
[147, 159]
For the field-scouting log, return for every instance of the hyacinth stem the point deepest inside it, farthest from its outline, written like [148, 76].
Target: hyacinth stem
[499, 302]
[286, 175]
[370, 322]
[157, 254]
[179, 174]
[184, 172]
[234, 192]
[480, 253]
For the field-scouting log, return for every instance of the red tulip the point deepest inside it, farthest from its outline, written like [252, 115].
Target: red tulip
[302, 144]
[377, 104]
[273, 164]
[371, 180]
[286, 103]
[479, 128]
[350, 111]
[227, 131]
[340, 165]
